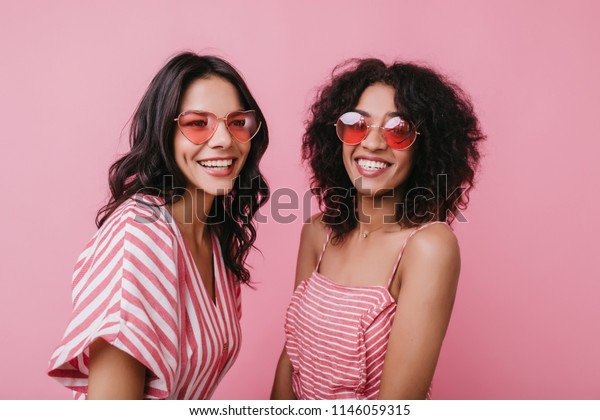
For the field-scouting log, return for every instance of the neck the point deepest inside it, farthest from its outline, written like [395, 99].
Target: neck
[376, 212]
[191, 213]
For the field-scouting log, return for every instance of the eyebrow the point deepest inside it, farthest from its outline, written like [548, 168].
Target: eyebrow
[366, 114]
[203, 110]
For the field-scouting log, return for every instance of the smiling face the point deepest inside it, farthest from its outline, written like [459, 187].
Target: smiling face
[373, 166]
[213, 165]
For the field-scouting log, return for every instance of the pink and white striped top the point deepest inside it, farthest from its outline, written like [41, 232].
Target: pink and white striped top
[137, 287]
[337, 335]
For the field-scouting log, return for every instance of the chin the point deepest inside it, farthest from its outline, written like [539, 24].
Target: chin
[375, 192]
[367, 187]
[218, 190]
[213, 187]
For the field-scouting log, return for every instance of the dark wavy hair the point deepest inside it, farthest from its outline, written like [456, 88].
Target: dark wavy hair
[150, 161]
[447, 147]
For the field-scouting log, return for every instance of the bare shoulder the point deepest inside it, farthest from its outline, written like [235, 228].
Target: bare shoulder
[432, 252]
[437, 241]
[314, 231]
[314, 234]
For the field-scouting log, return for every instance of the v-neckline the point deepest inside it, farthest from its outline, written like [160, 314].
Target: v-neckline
[193, 268]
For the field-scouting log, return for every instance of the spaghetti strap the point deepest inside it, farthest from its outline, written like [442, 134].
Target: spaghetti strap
[323, 250]
[404, 246]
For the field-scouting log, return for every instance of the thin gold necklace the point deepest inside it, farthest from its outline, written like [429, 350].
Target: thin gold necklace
[365, 234]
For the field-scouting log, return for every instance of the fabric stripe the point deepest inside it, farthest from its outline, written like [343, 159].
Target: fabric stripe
[136, 286]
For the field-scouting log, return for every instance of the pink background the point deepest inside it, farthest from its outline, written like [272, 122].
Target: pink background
[525, 323]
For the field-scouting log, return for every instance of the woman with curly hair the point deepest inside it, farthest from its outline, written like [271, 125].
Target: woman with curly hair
[156, 293]
[393, 152]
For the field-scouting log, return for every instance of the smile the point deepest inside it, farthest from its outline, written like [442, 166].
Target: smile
[371, 165]
[222, 164]
[217, 167]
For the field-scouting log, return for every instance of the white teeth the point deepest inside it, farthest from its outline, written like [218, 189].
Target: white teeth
[371, 164]
[221, 163]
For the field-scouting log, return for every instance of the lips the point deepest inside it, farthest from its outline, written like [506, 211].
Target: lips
[216, 163]
[217, 167]
[371, 166]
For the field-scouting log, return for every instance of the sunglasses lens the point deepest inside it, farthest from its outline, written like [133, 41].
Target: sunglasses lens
[197, 126]
[243, 125]
[399, 134]
[351, 128]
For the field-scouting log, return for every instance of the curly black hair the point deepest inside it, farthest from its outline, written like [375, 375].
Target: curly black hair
[151, 162]
[447, 148]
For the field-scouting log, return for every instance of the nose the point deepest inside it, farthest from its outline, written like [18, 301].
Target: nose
[221, 137]
[374, 140]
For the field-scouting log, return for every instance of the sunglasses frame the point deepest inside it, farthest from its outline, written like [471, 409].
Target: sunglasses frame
[369, 127]
[224, 119]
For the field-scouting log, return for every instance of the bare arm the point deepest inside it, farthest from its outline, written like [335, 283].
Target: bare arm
[429, 273]
[114, 374]
[311, 240]
[282, 385]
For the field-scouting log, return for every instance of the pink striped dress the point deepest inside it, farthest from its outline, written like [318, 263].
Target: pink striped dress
[137, 287]
[337, 335]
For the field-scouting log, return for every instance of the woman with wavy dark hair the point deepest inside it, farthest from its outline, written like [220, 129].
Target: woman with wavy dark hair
[156, 293]
[393, 152]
